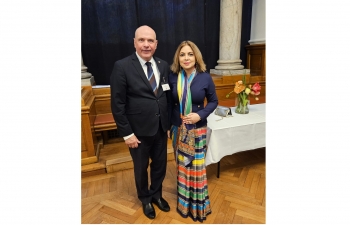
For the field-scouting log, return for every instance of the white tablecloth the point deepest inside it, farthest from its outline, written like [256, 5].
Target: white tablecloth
[235, 134]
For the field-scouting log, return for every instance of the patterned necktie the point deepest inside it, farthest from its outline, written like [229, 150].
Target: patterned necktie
[151, 78]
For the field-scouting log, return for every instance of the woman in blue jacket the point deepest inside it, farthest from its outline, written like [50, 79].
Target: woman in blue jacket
[190, 85]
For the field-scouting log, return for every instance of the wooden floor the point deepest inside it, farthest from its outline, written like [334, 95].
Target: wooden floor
[238, 196]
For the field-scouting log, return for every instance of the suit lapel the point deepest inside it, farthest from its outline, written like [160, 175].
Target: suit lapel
[141, 73]
[161, 75]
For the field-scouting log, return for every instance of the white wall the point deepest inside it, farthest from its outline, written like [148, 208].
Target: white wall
[257, 32]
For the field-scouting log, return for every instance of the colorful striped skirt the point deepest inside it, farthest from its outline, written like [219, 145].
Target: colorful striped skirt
[192, 187]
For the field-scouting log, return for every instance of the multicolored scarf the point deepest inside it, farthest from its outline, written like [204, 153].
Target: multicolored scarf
[186, 132]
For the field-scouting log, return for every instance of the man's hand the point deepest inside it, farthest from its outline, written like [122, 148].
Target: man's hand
[132, 142]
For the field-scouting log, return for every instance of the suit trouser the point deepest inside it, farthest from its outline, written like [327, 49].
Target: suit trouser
[155, 148]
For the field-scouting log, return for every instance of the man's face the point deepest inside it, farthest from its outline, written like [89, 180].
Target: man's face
[145, 42]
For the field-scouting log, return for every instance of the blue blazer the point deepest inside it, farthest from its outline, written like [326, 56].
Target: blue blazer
[202, 87]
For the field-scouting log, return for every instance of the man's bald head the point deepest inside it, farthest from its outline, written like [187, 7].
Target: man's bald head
[145, 42]
[145, 28]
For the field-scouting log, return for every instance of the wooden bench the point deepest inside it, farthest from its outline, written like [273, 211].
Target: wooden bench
[104, 123]
[104, 120]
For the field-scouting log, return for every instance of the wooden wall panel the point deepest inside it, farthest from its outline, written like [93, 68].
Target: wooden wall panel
[103, 100]
[225, 84]
[256, 61]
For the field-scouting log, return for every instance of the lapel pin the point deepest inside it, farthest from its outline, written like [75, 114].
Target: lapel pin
[158, 61]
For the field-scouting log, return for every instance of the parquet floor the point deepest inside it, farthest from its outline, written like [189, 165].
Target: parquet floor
[238, 196]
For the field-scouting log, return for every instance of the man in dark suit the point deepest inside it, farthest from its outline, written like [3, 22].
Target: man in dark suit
[139, 104]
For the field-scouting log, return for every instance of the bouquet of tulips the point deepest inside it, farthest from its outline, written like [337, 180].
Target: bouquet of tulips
[243, 91]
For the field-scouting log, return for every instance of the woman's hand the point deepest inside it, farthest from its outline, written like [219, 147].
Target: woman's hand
[191, 118]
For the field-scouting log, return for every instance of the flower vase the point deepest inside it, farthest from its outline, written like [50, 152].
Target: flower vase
[242, 104]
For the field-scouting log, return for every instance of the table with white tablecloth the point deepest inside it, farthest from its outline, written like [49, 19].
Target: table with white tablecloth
[234, 134]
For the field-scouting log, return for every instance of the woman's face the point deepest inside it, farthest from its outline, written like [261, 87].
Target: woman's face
[187, 58]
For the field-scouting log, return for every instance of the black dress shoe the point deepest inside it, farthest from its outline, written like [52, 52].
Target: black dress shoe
[148, 210]
[162, 204]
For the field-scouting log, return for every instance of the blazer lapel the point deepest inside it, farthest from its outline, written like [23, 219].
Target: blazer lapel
[141, 73]
[161, 75]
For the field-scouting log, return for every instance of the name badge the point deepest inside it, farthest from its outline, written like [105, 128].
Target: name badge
[165, 87]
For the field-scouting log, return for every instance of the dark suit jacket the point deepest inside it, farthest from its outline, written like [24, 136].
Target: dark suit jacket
[202, 87]
[134, 106]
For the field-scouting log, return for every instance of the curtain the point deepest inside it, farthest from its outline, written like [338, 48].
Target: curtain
[108, 28]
